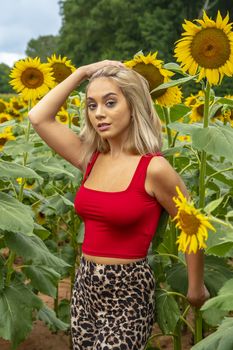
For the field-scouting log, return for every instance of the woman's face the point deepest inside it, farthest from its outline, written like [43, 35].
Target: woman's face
[107, 108]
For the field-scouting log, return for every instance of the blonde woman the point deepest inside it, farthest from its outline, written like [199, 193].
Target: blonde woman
[126, 184]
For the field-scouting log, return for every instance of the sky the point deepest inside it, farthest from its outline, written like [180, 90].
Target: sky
[23, 20]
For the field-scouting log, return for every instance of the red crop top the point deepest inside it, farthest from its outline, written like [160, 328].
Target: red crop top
[118, 224]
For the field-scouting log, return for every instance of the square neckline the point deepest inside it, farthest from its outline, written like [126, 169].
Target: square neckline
[113, 192]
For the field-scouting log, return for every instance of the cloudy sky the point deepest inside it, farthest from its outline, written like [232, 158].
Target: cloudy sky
[22, 20]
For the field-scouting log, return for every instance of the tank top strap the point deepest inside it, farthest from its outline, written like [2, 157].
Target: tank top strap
[141, 171]
[90, 165]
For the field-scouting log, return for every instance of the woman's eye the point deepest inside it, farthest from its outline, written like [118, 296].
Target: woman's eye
[91, 106]
[110, 103]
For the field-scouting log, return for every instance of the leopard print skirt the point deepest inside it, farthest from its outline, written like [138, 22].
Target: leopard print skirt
[112, 306]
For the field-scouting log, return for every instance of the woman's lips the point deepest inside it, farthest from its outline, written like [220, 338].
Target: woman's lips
[103, 126]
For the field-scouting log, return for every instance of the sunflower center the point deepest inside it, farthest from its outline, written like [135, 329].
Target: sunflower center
[189, 223]
[200, 110]
[210, 48]
[75, 121]
[32, 78]
[63, 118]
[3, 119]
[3, 140]
[153, 76]
[60, 71]
[2, 107]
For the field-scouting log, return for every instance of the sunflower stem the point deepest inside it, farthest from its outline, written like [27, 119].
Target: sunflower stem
[203, 153]
[166, 114]
[198, 326]
[177, 337]
[25, 155]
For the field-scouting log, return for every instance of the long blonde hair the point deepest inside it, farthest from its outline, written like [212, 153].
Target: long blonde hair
[145, 134]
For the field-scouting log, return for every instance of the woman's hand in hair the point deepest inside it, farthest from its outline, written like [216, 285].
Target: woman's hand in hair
[90, 69]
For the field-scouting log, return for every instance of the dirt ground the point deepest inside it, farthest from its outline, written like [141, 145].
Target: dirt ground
[41, 338]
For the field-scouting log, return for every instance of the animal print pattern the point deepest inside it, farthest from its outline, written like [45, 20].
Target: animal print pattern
[112, 306]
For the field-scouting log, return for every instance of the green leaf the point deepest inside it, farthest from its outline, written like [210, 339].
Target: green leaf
[16, 147]
[184, 129]
[213, 205]
[216, 308]
[159, 234]
[44, 279]
[216, 273]
[221, 243]
[41, 232]
[171, 83]
[64, 311]
[5, 124]
[51, 169]
[17, 303]
[173, 67]
[48, 316]
[13, 170]
[216, 140]
[225, 101]
[33, 248]
[177, 278]
[178, 111]
[15, 216]
[168, 312]
[220, 340]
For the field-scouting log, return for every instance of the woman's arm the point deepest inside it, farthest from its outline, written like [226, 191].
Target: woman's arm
[165, 179]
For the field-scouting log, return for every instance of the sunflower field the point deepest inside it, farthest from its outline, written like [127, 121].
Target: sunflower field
[40, 234]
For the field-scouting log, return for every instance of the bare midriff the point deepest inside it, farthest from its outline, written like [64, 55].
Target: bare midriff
[108, 261]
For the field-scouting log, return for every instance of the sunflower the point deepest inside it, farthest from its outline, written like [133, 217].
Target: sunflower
[3, 105]
[207, 48]
[61, 68]
[15, 114]
[75, 120]
[31, 78]
[192, 223]
[197, 112]
[184, 138]
[152, 70]
[5, 136]
[29, 183]
[63, 116]
[17, 103]
[193, 99]
[4, 117]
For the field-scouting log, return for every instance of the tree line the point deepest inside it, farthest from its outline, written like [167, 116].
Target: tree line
[117, 29]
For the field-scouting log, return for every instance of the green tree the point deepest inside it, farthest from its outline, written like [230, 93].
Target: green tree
[4, 79]
[42, 47]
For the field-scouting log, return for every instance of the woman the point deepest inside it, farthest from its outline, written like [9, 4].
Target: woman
[125, 186]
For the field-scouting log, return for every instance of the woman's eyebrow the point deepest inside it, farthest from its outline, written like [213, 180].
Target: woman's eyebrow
[103, 97]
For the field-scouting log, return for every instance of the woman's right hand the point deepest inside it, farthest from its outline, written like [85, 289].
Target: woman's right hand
[90, 69]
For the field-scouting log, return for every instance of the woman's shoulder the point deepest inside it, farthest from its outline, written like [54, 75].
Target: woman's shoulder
[160, 169]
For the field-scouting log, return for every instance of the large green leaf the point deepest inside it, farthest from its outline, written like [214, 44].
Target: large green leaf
[221, 243]
[13, 170]
[48, 316]
[217, 272]
[43, 278]
[216, 308]
[216, 140]
[51, 169]
[33, 248]
[17, 303]
[178, 111]
[222, 339]
[168, 312]
[16, 147]
[172, 83]
[15, 216]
